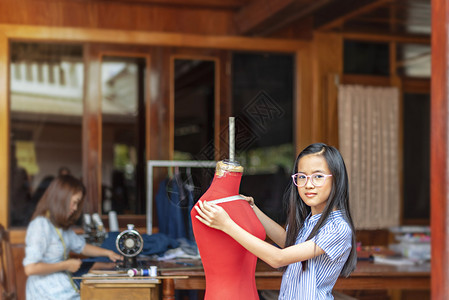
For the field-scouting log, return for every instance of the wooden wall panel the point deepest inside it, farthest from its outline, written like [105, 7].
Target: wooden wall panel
[329, 67]
[116, 15]
[319, 66]
[331, 108]
[18, 252]
[304, 95]
[291, 31]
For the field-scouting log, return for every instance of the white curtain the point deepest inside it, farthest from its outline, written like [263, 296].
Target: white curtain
[368, 138]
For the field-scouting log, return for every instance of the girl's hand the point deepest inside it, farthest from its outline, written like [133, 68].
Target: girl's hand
[212, 215]
[249, 199]
[73, 264]
[114, 256]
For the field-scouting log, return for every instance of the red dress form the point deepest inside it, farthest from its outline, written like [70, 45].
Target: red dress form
[229, 268]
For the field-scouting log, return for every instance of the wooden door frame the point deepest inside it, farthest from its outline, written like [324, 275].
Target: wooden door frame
[92, 116]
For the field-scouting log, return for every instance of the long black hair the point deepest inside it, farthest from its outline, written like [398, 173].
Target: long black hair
[338, 199]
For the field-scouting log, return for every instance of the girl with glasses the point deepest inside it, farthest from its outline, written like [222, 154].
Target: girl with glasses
[318, 243]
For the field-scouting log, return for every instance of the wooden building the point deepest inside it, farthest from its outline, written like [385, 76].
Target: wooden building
[104, 86]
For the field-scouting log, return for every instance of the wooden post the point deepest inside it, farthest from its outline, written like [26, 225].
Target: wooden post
[91, 143]
[168, 289]
[439, 156]
[4, 131]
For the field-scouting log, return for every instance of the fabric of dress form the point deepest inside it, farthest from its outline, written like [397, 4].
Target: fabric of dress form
[174, 200]
[229, 268]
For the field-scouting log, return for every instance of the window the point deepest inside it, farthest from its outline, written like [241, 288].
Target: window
[262, 99]
[416, 156]
[194, 108]
[194, 118]
[123, 134]
[413, 60]
[45, 120]
[366, 58]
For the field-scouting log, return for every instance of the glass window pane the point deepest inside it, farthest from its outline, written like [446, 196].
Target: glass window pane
[123, 132]
[366, 58]
[262, 99]
[194, 109]
[46, 94]
[416, 156]
[413, 60]
[194, 106]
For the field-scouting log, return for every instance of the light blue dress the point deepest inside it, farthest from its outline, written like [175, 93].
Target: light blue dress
[44, 245]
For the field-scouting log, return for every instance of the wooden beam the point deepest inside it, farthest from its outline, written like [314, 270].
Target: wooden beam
[129, 37]
[439, 151]
[386, 38]
[263, 17]
[257, 12]
[304, 95]
[330, 22]
[416, 85]
[365, 79]
[228, 4]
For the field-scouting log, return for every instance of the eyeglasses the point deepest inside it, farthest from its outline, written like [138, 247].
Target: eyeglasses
[317, 179]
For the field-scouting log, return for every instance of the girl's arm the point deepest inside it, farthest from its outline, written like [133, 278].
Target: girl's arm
[274, 231]
[91, 250]
[216, 217]
[40, 268]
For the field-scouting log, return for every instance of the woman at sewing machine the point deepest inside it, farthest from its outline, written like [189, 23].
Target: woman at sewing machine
[49, 241]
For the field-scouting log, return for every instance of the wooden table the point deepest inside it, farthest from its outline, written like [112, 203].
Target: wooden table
[116, 287]
[119, 289]
[373, 276]
[189, 275]
[367, 276]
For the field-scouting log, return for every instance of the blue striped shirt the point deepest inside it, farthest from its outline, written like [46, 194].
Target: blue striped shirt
[317, 281]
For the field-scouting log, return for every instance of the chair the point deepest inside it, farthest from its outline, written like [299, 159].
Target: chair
[7, 272]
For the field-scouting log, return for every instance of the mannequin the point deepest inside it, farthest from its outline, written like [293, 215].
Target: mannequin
[229, 268]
